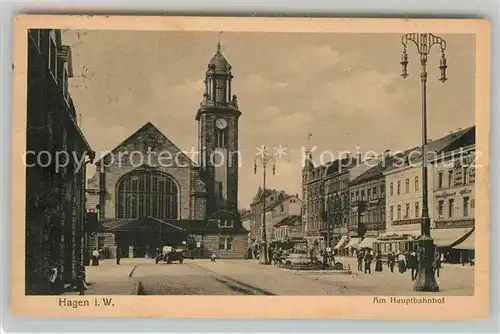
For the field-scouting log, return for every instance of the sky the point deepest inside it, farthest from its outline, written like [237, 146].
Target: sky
[343, 88]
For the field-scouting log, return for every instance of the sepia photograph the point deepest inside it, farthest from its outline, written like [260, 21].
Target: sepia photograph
[229, 160]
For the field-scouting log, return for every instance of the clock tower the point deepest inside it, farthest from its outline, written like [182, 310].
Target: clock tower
[218, 137]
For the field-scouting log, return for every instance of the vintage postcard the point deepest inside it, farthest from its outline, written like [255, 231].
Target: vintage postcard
[195, 167]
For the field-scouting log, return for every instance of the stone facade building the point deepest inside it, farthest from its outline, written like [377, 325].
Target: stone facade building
[404, 195]
[55, 194]
[151, 194]
[326, 196]
[280, 207]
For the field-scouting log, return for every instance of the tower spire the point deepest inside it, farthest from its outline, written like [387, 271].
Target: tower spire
[218, 42]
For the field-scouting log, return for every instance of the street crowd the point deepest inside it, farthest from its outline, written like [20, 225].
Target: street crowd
[405, 261]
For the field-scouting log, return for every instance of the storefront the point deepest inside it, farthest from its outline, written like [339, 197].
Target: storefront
[466, 249]
[396, 242]
[339, 248]
[352, 246]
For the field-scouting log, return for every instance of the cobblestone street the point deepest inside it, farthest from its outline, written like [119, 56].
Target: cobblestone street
[247, 277]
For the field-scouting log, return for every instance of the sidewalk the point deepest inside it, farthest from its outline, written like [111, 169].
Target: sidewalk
[110, 279]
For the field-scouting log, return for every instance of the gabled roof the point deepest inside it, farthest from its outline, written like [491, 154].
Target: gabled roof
[447, 143]
[382, 166]
[141, 129]
[288, 221]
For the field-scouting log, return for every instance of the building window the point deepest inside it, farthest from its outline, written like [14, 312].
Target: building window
[53, 54]
[398, 190]
[222, 138]
[466, 206]
[362, 195]
[440, 209]
[440, 180]
[224, 223]
[451, 206]
[147, 193]
[407, 210]
[417, 209]
[374, 192]
[407, 185]
[466, 174]
[417, 186]
[368, 194]
[225, 243]
[399, 212]
[382, 190]
[450, 178]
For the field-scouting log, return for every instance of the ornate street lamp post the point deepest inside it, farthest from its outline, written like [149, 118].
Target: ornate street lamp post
[264, 158]
[424, 42]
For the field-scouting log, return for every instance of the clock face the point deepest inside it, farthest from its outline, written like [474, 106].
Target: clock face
[221, 123]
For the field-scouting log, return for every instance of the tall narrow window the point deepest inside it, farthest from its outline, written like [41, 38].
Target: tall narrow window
[440, 180]
[450, 178]
[417, 185]
[399, 188]
[222, 138]
[399, 212]
[407, 210]
[451, 207]
[466, 174]
[441, 208]
[407, 185]
[417, 209]
[466, 206]
[391, 189]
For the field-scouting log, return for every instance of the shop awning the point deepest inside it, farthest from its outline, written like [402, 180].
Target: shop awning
[398, 235]
[449, 237]
[353, 243]
[468, 243]
[341, 242]
[367, 243]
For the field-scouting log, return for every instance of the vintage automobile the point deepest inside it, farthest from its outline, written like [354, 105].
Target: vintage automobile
[170, 254]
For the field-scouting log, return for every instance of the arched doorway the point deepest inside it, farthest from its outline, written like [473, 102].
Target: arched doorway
[148, 198]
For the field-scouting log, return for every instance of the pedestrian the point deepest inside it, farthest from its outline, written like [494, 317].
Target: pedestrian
[213, 258]
[368, 261]
[118, 255]
[378, 261]
[391, 261]
[401, 263]
[325, 259]
[437, 263]
[95, 257]
[360, 260]
[413, 265]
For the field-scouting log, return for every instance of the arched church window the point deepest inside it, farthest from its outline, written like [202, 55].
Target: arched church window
[147, 193]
